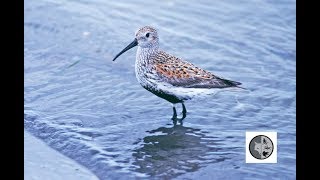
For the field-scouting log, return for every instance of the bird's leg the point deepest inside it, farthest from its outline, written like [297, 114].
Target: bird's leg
[174, 121]
[184, 111]
[174, 116]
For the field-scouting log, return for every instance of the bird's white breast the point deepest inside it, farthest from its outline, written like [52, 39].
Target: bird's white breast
[143, 67]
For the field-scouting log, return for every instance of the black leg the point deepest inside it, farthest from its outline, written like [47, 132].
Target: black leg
[184, 113]
[184, 110]
[174, 116]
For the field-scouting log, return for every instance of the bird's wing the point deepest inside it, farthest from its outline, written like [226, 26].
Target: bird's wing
[184, 74]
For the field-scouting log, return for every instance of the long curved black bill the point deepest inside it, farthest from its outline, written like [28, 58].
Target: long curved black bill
[131, 45]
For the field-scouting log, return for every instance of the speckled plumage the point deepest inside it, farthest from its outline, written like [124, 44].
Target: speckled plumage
[182, 73]
[167, 76]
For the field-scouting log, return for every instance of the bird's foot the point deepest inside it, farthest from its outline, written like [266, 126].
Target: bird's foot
[175, 118]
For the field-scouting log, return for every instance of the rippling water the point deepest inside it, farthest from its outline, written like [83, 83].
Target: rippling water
[93, 110]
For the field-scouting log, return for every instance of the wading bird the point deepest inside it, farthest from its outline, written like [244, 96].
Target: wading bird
[169, 77]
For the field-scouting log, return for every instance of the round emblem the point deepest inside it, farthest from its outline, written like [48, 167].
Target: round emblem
[261, 147]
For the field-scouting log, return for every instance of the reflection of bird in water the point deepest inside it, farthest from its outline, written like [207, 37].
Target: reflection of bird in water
[169, 77]
[169, 152]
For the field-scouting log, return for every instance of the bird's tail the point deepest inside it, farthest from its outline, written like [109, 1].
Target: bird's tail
[234, 84]
[241, 87]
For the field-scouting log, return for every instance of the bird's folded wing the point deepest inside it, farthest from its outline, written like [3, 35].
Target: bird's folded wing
[184, 74]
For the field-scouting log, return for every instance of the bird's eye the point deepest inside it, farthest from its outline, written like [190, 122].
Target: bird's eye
[147, 35]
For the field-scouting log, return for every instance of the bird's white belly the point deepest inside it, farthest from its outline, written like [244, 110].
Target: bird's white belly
[147, 79]
[187, 93]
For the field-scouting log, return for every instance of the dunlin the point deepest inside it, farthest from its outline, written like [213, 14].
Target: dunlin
[170, 77]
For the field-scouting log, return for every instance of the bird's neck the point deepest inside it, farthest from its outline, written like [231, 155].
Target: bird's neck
[143, 63]
[144, 54]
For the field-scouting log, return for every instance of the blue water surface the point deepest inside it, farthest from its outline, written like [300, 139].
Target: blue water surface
[94, 111]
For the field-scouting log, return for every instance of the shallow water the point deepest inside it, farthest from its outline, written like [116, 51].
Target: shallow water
[94, 111]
